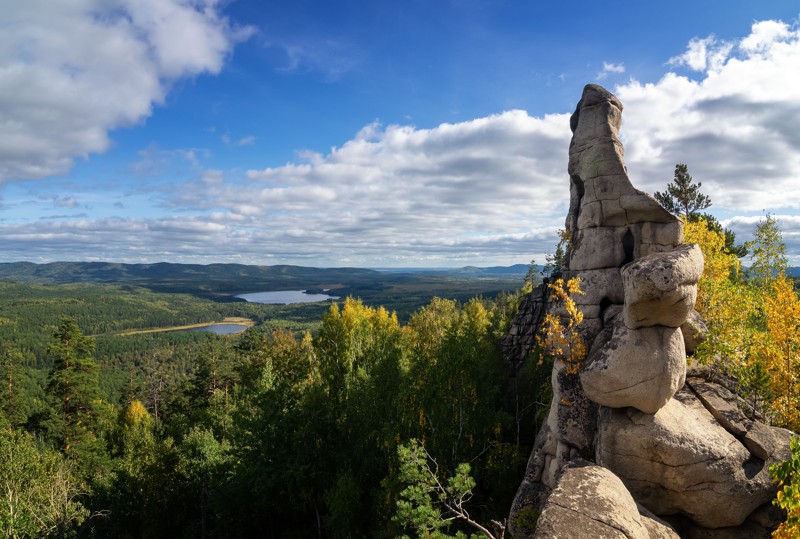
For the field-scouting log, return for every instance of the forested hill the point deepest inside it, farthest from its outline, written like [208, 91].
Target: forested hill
[494, 271]
[229, 279]
[211, 278]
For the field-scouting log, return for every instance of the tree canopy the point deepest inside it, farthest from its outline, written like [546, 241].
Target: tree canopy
[684, 199]
[682, 196]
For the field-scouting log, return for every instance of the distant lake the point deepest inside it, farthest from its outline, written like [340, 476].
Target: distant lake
[285, 297]
[222, 329]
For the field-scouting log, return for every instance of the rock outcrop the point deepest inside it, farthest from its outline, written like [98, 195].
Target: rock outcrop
[661, 288]
[680, 460]
[662, 444]
[642, 368]
[590, 501]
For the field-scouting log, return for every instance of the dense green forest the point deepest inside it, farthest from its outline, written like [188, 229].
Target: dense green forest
[337, 419]
[290, 429]
[403, 291]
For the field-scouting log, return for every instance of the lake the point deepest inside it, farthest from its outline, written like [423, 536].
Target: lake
[222, 329]
[285, 297]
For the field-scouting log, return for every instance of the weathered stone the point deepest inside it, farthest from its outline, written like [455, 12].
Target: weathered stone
[597, 115]
[645, 249]
[667, 234]
[768, 516]
[656, 527]
[642, 368]
[590, 501]
[600, 287]
[519, 341]
[748, 530]
[608, 188]
[572, 416]
[613, 214]
[680, 460]
[611, 313]
[694, 331]
[591, 215]
[762, 441]
[596, 248]
[642, 207]
[708, 373]
[595, 121]
[532, 492]
[662, 288]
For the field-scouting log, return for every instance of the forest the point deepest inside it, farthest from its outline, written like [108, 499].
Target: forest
[337, 419]
[291, 429]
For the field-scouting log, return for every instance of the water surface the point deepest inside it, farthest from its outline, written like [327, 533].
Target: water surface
[285, 297]
[222, 329]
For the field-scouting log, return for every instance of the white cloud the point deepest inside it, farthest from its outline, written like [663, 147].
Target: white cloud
[610, 68]
[701, 54]
[70, 71]
[493, 188]
[764, 35]
[734, 125]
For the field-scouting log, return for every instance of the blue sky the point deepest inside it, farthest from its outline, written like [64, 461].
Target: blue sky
[375, 134]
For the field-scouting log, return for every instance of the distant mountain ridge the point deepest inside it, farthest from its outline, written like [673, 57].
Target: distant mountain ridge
[516, 269]
[227, 279]
[213, 278]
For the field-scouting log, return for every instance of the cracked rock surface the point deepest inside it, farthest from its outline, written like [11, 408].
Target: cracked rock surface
[590, 501]
[681, 460]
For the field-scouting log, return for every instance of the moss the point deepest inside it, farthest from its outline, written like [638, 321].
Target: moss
[525, 519]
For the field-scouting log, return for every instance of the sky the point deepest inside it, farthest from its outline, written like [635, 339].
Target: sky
[370, 133]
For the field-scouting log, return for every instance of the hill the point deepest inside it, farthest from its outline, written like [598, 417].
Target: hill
[403, 290]
[211, 279]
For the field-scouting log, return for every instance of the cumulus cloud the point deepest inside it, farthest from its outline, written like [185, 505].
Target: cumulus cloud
[701, 54]
[404, 190]
[735, 125]
[70, 71]
[491, 188]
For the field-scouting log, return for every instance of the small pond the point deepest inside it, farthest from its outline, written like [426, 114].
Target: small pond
[222, 329]
[285, 297]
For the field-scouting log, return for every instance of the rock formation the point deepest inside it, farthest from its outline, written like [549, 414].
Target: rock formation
[661, 444]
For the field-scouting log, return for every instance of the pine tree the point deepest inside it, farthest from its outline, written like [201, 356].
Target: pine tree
[682, 197]
[10, 398]
[74, 386]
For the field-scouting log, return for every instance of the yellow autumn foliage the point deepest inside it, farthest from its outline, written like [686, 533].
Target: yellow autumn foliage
[723, 299]
[753, 327]
[560, 337]
[136, 415]
[777, 347]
